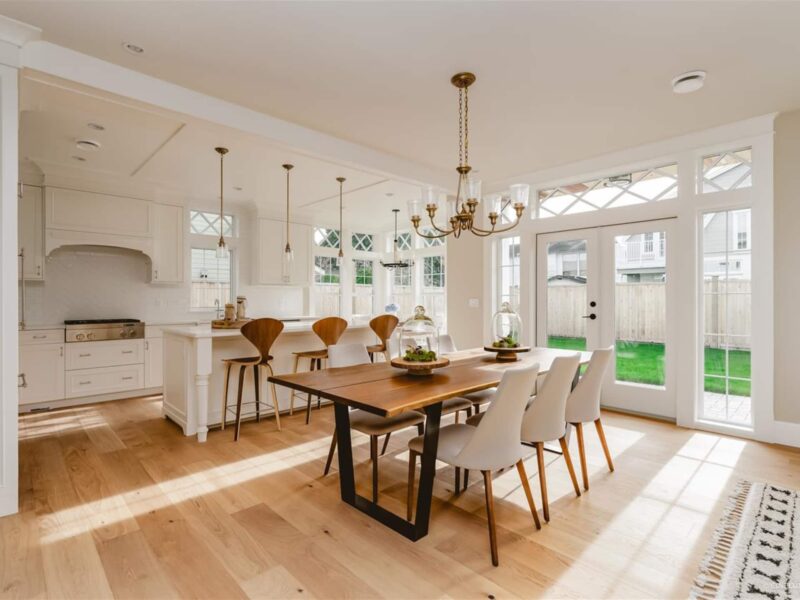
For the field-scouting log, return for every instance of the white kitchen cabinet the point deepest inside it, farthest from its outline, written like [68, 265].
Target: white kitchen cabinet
[168, 244]
[41, 368]
[108, 353]
[31, 231]
[270, 243]
[153, 362]
[104, 380]
[89, 212]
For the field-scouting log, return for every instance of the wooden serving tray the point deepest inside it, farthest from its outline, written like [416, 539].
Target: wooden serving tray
[223, 324]
[420, 368]
[507, 354]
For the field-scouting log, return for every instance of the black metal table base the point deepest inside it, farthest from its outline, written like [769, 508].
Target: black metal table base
[412, 530]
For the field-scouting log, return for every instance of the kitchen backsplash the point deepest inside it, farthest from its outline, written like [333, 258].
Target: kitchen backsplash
[100, 282]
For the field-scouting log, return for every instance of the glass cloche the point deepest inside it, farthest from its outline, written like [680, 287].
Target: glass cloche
[506, 327]
[419, 332]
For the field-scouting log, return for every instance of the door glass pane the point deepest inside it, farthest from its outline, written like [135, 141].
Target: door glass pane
[640, 297]
[727, 314]
[566, 294]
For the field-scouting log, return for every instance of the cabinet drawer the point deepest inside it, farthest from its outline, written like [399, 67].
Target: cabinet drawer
[41, 336]
[90, 355]
[89, 382]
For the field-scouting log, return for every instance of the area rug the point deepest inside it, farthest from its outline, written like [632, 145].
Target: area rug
[755, 551]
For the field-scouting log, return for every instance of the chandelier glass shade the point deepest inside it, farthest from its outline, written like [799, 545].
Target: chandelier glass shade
[460, 212]
[222, 248]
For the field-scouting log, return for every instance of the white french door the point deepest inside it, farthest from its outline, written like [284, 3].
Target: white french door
[612, 286]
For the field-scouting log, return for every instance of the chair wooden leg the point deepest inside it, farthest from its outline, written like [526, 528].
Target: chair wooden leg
[275, 399]
[330, 453]
[466, 479]
[373, 455]
[308, 405]
[582, 455]
[225, 396]
[527, 487]
[293, 393]
[458, 480]
[319, 367]
[238, 424]
[601, 434]
[257, 385]
[487, 484]
[412, 467]
[542, 480]
[386, 443]
[372, 357]
[570, 468]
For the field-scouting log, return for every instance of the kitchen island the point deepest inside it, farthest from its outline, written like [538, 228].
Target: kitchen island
[194, 374]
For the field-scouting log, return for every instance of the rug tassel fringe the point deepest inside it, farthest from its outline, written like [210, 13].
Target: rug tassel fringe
[708, 581]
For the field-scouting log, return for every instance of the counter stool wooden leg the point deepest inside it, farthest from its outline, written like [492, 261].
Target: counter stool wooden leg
[582, 455]
[225, 396]
[257, 386]
[239, 403]
[275, 399]
[292, 394]
[319, 367]
[542, 480]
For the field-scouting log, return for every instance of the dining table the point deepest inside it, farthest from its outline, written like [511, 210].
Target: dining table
[384, 390]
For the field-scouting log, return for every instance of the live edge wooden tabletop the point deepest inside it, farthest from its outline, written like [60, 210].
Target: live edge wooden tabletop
[384, 390]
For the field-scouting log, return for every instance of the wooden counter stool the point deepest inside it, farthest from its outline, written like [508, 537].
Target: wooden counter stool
[262, 333]
[329, 330]
[383, 326]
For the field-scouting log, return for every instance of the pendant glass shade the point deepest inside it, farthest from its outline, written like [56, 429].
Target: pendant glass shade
[494, 203]
[474, 189]
[222, 249]
[520, 193]
[414, 208]
[287, 260]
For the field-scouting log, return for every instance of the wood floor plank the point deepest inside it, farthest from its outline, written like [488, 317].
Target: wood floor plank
[22, 572]
[132, 569]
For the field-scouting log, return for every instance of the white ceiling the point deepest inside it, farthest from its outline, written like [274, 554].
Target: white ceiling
[143, 147]
[557, 81]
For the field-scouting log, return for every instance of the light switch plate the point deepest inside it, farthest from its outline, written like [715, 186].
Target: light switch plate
[474, 303]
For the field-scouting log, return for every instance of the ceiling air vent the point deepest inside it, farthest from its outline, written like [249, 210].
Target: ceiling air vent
[88, 145]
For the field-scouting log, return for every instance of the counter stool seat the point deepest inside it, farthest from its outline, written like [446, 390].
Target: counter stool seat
[262, 333]
[314, 354]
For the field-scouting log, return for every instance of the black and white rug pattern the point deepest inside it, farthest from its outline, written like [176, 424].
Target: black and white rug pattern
[755, 551]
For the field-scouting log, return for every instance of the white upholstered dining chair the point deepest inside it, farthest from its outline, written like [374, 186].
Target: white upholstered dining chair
[494, 444]
[583, 406]
[545, 419]
[348, 355]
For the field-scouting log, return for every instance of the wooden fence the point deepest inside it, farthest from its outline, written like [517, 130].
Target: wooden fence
[641, 312]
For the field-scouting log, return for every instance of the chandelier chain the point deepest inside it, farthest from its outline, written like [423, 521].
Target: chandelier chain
[460, 127]
[466, 126]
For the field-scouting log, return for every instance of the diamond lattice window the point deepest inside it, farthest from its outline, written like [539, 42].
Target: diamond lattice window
[405, 241]
[326, 238]
[431, 242]
[726, 171]
[206, 223]
[640, 187]
[362, 242]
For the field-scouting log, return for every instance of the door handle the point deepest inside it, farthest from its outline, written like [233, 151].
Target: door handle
[591, 316]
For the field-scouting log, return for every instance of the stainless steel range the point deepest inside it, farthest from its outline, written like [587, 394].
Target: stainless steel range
[95, 330]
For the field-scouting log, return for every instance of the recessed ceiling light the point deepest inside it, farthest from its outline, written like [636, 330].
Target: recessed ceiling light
[686, 83]
[88, 145]
[95, 126]
[238, 188]
[79, 158]
[133, 48]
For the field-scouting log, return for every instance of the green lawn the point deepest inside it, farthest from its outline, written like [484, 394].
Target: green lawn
[644, 363]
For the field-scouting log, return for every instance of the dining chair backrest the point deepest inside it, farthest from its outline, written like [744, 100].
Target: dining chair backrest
[329, 329]
[583, 404]
[383, 326]
[545, 418]
[446, 344]
[496, 441]
[347, 355]
[262, 333]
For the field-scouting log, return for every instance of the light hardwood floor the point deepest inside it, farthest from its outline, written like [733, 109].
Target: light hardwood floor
[116, 502]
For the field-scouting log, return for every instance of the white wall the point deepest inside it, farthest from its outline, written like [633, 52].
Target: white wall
[465, 273]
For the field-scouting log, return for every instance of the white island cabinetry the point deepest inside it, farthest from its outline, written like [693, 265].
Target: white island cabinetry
[194, 372]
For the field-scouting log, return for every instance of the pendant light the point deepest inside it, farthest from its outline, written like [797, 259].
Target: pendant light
[396, 263]
[222, 249]
[341, 181]
[288, 253]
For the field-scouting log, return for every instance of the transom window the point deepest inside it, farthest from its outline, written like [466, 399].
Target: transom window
[431, 242]
[207, 223]
[731, 170]
[326, 238]
[405, 241]
[639, 187]
[362, 242]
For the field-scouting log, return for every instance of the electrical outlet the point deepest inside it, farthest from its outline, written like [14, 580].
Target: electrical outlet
[474, 303]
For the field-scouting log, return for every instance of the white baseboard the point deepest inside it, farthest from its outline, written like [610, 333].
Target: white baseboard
[68, 402]
[786, 433]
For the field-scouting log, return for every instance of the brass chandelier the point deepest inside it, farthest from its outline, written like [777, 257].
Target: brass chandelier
[460, 213]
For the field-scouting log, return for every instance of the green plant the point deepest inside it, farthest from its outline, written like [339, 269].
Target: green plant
[506, 342]
[419, 354]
